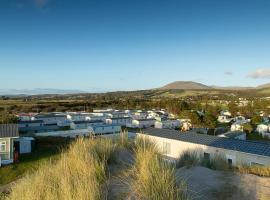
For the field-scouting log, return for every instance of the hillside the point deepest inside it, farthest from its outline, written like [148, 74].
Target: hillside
[264, 86]
[186, 85]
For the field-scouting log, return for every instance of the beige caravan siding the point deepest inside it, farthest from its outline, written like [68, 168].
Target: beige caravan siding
[7, 154]
[174, 148]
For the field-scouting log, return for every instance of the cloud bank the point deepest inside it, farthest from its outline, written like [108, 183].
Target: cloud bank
[260, 74]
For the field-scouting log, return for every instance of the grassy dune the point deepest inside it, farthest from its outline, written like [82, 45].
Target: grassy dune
[79, 174]
[82, 173]
[154, 177]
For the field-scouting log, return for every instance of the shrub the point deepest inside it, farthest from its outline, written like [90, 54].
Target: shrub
[218, 163]
[188, 159]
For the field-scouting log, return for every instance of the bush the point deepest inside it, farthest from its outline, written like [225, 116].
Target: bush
[192, 158]
[218, 163]
[188, 159]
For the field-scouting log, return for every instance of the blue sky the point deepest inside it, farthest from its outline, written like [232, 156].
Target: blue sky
[133, 44]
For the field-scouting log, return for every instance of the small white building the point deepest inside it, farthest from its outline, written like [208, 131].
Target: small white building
[85, 124]
[123, 121]
[106, 129]
[75, 116]
[25, 116]
[51, 118]
[224, 119]
[68, 134]
[237, 127]
[241, 120]
[226, 113]
[239, 135]
[142, 123]
[8, 133]
[173, 144]
[139, 115]
[264, 130]
[169, 124]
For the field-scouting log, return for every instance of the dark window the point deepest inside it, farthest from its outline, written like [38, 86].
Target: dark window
[230, 162]
[206, 156]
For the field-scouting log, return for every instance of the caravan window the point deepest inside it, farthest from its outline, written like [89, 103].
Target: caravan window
[3, 146]
[206, 156]
[230, 162]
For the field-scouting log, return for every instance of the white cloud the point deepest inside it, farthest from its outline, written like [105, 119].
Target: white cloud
[260, 74]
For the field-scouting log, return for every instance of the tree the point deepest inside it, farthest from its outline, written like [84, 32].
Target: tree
[6, 118]
[247, 128]
[256, 119]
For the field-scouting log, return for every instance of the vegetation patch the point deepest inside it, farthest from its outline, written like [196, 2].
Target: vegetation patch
[154, 177]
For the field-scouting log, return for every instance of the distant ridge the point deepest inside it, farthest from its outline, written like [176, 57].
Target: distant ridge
[267, 85]
[186, 85]
[37, 91]
[190, 85]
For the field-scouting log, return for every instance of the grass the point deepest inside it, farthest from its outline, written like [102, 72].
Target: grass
[256, 170]
[190, 158]
[123, 141]
[28, 162]
[216, 163]
[80, 173]
[154, 178]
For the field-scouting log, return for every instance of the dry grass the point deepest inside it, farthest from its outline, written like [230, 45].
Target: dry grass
[79, 174]
[154, 178]
[123, 140]
[259, 171]
[188, 159]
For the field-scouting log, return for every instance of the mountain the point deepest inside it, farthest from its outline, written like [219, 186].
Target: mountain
[190, 85]
[186, 85]
[267, 85]
[37, 91]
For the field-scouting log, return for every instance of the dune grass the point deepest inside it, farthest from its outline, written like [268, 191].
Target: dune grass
[192, 158]
[80, 174]
[256, 170]
[154, 178]
[188, 159]
[123, 141]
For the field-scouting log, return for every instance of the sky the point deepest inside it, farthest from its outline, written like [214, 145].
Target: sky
[98, 45]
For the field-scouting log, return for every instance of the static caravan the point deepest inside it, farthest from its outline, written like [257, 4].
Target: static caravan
[237, 152]
[8, 132]
[123, 121]
[143, 123]
[168, 124]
